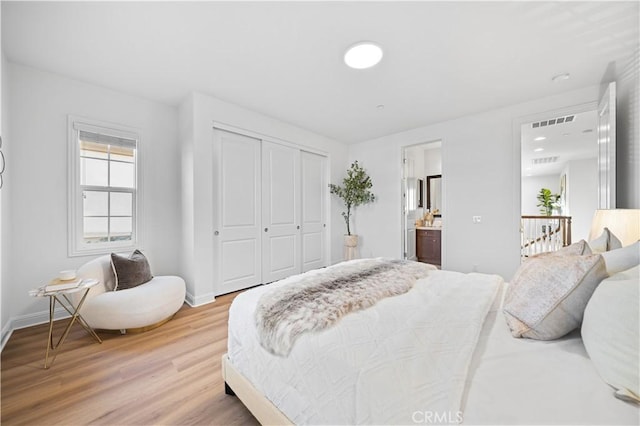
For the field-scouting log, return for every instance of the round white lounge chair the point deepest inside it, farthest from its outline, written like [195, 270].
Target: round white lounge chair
[136, 309]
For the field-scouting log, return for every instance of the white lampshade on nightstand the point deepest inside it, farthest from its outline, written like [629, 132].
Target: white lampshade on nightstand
[623, 223]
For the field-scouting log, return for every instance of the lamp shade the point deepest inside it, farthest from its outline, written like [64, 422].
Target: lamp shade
[623, 223]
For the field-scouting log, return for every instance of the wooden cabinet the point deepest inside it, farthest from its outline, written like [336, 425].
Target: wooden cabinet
[428, 246]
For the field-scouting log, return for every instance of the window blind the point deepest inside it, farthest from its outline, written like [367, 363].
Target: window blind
[86, 136]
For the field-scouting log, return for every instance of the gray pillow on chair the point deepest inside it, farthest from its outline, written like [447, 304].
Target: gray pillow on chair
[130, 271]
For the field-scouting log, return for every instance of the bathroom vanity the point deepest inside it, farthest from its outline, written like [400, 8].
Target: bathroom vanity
[428, 244]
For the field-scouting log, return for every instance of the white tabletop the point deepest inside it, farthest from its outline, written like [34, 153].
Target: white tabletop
[41, 292]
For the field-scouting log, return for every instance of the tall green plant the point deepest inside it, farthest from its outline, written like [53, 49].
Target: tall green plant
[355, 191]
[548, 202]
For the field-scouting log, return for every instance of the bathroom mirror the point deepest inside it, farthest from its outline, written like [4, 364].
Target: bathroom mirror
[434, 194]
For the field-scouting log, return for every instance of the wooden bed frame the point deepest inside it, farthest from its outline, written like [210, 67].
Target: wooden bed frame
[261, 408]
[624, 223]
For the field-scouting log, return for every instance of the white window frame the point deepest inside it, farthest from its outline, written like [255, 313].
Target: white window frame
[76, 244]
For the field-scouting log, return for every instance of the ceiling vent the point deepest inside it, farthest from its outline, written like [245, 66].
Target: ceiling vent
[553, 121]
[545, 160]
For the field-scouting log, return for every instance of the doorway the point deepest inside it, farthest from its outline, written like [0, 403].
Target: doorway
[582, 139]
[559, 153]
[420, 161]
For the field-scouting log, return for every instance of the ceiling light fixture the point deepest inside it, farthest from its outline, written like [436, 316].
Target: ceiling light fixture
[540, 138]
[561, 77]
[362, 55]
[538, 150]
[381, 106]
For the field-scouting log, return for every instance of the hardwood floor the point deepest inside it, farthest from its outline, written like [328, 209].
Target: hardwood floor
[166, 376]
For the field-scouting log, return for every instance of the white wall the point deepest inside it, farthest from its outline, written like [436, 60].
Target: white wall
[628, 134]
[5, 218]
[415, 162]
[414, 170]
[432, 161]
[39, 103]
[197, 115]
[481, 159]
[4, 318]
[531, 187]
[186, 129]
[582, 196]
[432, 166]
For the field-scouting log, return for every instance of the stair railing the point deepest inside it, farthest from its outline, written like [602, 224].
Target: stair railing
[541, 234]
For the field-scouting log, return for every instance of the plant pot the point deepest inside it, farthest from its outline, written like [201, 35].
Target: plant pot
[350, 244]
[351, 241]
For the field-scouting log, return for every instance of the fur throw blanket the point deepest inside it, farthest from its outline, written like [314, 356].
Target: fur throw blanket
[316, 300]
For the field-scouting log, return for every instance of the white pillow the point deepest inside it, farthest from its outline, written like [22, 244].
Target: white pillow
[611, 330]
[605, 242]
[547, 296]
[621, 259]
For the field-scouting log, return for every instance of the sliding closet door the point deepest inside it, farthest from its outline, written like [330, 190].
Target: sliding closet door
[314, 195]
[237, 237]
[280, 211]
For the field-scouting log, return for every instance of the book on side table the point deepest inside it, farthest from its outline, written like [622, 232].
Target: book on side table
[57, 284]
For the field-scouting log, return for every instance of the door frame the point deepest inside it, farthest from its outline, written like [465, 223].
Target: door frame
[517, 124]
[403, 188]
[607, 167]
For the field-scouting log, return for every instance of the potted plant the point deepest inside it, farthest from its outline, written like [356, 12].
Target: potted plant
[548, 202]
[355, 191]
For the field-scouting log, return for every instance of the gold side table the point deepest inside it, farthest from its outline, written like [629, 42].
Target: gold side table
[61, 297]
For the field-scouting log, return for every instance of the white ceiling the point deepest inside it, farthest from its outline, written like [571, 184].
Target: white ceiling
[441, 60]
[577, 140]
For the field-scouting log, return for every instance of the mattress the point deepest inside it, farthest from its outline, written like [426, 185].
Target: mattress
[378, 365]
[522, 381]
[509, 381]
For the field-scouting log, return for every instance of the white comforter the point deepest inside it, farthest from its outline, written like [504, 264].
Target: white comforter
[400, 361]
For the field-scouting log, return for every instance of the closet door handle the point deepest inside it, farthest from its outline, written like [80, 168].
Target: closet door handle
[216, 233]
[266, 229]
[298, 227]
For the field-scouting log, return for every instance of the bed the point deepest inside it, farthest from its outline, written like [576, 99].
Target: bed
[376, 367]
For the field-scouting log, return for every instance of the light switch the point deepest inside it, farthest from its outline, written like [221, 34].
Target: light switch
[477, 219]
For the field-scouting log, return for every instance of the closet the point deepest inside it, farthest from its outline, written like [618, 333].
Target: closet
[269, 202]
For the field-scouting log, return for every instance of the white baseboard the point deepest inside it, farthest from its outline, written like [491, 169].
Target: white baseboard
[200, 300]
[29, 320]
[42, 317]
[7, 330]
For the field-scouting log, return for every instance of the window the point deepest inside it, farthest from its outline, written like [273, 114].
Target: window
[103, 191]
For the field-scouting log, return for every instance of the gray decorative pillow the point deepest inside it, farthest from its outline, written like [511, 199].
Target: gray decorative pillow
[547, 296]
[130, 271]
